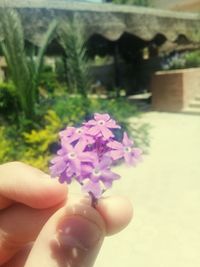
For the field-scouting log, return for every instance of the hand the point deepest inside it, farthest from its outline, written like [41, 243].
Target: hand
[41, 225]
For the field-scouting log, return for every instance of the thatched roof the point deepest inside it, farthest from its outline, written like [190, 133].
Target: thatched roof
[109, 20]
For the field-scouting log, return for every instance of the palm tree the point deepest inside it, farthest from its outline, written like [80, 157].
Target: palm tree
[24, 69]
[72, 39]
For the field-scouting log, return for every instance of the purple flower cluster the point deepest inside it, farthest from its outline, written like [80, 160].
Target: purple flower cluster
[87, 154]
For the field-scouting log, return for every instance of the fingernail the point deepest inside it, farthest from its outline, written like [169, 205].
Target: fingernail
[78, 232]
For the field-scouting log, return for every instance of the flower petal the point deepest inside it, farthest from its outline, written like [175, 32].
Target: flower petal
[58, 168]
[67, 146]
[93, 130]
[126, 141]
[86, 170]
[105, 162]
[76, 166]
[88, 157]
[108, 177]
[94, 188]
[115, 145]
[89, 139]
[67, 132]
[69, 171]
[90, 122]
[64, 178]
[112, 124]
[61, 152]
[56, 159]
[106, 133]
[80, 146]
[129, 159]
[137, 152]
[104, 117]
[115, 154]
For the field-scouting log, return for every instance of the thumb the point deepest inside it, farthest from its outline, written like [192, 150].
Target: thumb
[72, 237]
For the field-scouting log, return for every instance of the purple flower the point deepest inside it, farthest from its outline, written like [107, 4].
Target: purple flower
[61, 168]
[99, 174]
[124, 150]
[68, 132]
[94, 188]
[87, 154]
[72, 134]
[68, 162]
[101, 124]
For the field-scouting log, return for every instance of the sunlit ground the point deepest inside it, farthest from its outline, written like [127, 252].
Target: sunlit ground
[165, 191]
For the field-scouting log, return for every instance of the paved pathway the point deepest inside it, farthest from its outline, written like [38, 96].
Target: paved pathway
[165, 190]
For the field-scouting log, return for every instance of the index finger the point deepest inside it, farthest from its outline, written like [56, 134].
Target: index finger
[24, 184]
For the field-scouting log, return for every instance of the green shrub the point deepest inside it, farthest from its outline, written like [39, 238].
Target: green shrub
[182, 61]
[123, 111]
[71, 109]
[174, 62]
[8, 99]
[5, 146]
[119, 108]
[60, 69]
[48, 80]
[192, 59]
[36, 146]
[30, 147]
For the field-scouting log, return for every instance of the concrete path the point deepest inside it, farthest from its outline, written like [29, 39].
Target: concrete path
[165, 190]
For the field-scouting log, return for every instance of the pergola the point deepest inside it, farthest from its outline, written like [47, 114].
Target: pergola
[167, 30]
[112, 29]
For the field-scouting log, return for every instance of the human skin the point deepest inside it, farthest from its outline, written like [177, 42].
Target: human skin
[40, 223]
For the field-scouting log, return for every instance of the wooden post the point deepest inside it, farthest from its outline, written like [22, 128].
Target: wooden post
[117, 70]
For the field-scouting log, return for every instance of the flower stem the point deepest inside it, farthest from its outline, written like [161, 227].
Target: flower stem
[94, 200]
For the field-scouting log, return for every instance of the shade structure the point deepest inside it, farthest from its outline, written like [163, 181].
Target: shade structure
[178, 30]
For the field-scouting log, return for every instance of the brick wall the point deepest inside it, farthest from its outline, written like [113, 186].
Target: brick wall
[191, 82]
[173, 90]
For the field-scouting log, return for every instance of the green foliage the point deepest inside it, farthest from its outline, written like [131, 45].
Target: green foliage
[174, 62]
[60, 70]
[8, 100]
[48, 80]
[38, 142]
[13, 50]
[5, 146]
[71, 110]
[118, 108]
[71, 37]
[123, 112]
[30, 147]
[182, 61]
[192, 59]
[24, 70]
[134, 2]
[36, 146]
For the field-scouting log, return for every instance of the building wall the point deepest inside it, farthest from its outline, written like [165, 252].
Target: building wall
[173, 91]
[178, 5]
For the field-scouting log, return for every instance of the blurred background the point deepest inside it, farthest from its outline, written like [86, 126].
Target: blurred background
[138, 60]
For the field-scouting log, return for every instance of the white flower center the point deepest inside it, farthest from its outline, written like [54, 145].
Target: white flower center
[72, 155]
[101, 122]
[127, 149]
[79, 131]
[96, 172]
